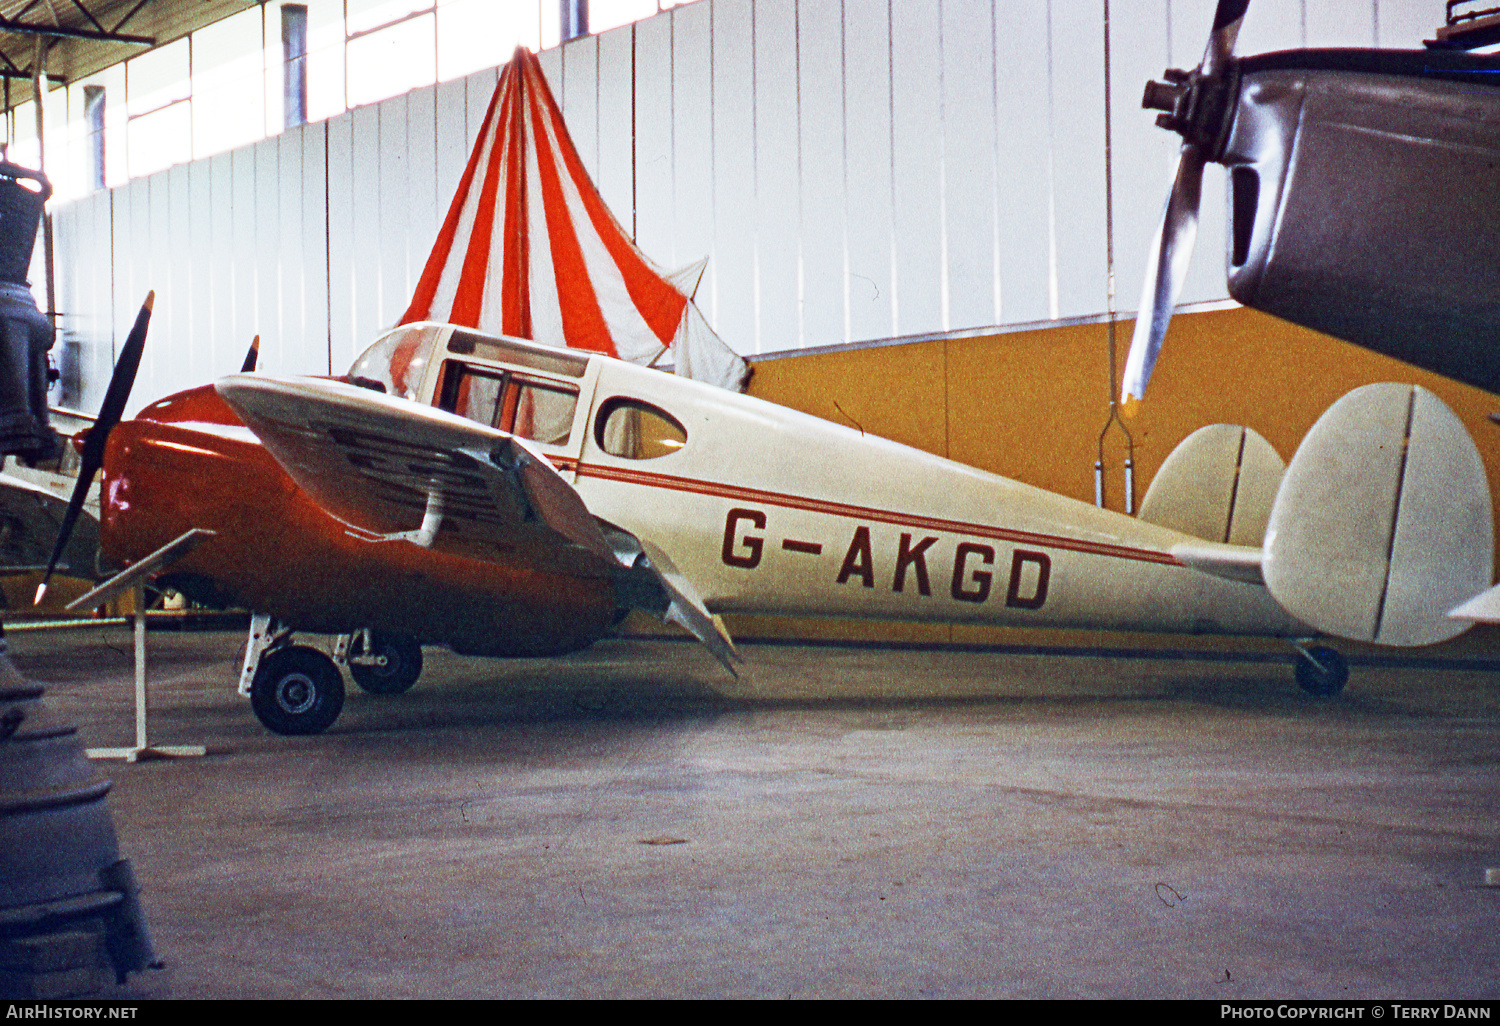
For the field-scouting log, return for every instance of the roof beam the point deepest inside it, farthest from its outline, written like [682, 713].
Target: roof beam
[29, 77]
[23, 28]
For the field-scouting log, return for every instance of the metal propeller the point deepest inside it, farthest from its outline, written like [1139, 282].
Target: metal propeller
[1198, 105]
[93, 444]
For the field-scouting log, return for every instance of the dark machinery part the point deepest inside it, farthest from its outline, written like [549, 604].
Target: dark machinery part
[60, 868]
[1363, 194]
[26, 334]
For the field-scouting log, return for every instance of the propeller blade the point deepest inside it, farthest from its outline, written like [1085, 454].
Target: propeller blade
[110, 412]
[248, 367]
[1166, 268]
[1228, 17]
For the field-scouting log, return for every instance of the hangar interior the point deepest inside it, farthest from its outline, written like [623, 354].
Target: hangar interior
[916, 189]
[923, 218]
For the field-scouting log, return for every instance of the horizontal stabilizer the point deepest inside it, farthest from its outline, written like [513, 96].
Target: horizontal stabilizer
[1218, 484]
[1482, 608]
[1232, 562]
[1383, 521]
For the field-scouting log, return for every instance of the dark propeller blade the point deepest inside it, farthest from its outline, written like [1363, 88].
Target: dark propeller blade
[93, 445]
[1172, 246]
[251, 356]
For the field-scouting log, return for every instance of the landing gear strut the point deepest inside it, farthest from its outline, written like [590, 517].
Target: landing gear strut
[296, 689]
[1321, 670]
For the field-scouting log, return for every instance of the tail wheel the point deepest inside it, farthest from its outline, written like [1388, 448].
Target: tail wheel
[297, 690]
[1321, 671]
[402, 666]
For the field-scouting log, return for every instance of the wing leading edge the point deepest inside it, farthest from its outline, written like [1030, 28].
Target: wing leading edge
[398, 471]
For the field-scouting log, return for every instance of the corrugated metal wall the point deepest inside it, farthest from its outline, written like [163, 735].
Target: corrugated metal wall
[854, 170]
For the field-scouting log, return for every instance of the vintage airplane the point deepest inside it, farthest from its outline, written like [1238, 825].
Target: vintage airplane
[506, 498]
[1363, 193]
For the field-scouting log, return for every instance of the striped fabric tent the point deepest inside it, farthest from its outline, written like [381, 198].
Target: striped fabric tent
[529, 249]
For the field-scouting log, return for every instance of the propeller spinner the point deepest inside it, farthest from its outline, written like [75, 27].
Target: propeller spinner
[1198, 105]
[110, 412]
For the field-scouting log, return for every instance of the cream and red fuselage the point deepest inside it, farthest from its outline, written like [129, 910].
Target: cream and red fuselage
[765, 510]
[187, 461]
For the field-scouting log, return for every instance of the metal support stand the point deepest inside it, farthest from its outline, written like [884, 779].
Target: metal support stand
[134, 579]
[143, 750]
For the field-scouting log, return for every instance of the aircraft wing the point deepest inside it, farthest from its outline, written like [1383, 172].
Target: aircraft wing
[30, 517]
[399, 471]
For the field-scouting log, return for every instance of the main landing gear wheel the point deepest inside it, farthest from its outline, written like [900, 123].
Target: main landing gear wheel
[403, 663]
[297, 690]
[1321, 671]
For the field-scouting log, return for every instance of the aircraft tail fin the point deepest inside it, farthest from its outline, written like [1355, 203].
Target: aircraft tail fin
[1382, 523]
[1219, 485]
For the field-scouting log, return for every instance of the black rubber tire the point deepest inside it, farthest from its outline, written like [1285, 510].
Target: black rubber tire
[297, 690]
[1327, 676]
[402, 668]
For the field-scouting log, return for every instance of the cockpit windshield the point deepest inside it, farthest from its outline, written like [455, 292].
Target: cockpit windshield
[398, 359]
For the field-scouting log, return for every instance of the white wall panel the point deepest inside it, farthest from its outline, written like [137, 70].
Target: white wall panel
[312, 187]
[1266, 27]
[424, 209]
[732, 266]
[655, 218]
[970, 230]
[200, 218]
[452, 143]
[284, 343]
[616, 177]
[221, 253]
[244, 250]
[1078, 157]
[777, 159]
[480, 90]
[552, 69]
[177, 276]
[692, 140]
[393, 186]
[579, 97]
[1403, 25]
[917, 168]
[1349, 22]
[1023, 129]
[820, 76]
[867, 174]
[368, 245]
[269, 283]
[84, 285]
[342, 345]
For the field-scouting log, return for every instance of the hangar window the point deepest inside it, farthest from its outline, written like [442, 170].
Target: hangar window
[634, 430]
[540, 411]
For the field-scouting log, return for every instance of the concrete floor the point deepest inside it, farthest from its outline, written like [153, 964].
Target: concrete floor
[853, 822]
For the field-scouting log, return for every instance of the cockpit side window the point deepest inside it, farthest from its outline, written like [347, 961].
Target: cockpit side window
[635, 430]
[541, 411]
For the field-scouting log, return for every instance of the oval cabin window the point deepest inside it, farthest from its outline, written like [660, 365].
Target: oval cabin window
[634, 430]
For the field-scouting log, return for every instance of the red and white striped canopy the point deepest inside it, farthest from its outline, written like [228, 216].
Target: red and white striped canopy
[529, 249]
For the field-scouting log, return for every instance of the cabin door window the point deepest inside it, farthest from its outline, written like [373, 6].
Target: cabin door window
[540, 411]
